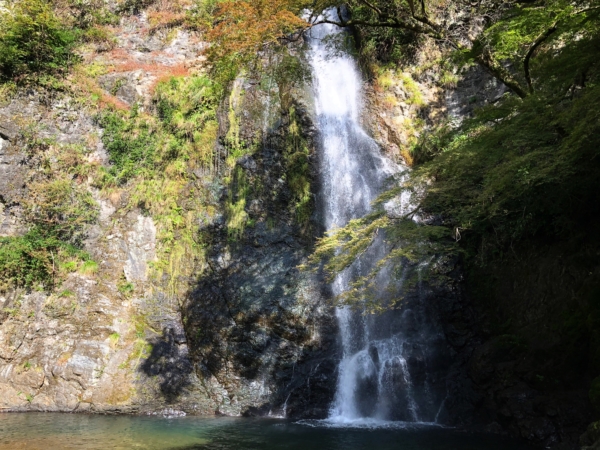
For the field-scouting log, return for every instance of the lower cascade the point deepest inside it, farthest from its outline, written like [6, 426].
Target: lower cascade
[390, 367]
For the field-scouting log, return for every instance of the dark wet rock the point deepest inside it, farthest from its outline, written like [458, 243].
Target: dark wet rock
[259, 329]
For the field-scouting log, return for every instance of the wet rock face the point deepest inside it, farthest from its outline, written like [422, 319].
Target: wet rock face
[260, 330]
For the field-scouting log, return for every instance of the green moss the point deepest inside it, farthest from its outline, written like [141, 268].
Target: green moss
[88, 267]
[297, 171]
[235, 206]
[95, 69]
[410, 86]
[236, 147]
[124, 287]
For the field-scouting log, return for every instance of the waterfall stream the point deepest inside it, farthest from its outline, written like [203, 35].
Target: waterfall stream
[383, 374]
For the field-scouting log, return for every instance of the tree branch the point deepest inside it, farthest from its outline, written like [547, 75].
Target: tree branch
[383, 24]
[408, 215]
[541, 38]
[486, 60]
[373, 7]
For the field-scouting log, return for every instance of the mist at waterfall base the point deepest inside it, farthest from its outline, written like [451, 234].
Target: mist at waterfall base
[43, 431]
[394, 365]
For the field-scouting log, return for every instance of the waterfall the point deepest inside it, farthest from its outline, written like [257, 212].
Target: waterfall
[383, 374]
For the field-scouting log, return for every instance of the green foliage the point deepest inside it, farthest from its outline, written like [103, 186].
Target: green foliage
[124, 287]
[89, 267]
[33, 259]
[58, 210]
[134, 6]
[33, 42]
[61, 207]
[187, 109]
[415, 97]
[159, 157]
[523, 23]
[515, 171]
[514, 33]
[520, 168]
[201, 15]
[142, 145]
[114, 338]
[235, 207]
[98, 35]
[408, 243]
[87, 14]
[389, 31]
[382, 45]
[131, 144]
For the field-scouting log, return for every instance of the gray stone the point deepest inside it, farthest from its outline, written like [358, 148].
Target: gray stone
[8, 130]
[141, 244]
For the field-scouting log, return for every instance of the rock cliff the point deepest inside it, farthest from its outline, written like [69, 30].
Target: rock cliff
[114, 339]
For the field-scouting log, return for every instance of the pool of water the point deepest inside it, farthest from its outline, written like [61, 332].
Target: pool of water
[35, 431]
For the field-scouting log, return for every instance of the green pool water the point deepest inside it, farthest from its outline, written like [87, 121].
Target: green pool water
[47, 431]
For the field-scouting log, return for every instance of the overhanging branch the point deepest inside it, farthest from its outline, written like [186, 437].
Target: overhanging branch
[545, 35]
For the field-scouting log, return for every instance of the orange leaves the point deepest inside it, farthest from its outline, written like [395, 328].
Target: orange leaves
[164, 19]
[243, 28]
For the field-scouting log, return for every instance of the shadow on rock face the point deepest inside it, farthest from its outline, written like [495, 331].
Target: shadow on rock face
[260, 331]
[169, 362]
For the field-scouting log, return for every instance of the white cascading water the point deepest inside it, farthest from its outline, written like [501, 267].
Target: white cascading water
[374, 380]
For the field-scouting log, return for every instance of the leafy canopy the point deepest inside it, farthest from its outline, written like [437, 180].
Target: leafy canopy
[242, 29]
[489, 33]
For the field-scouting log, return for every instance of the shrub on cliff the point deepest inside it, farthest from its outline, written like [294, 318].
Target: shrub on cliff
[36, 259]
[33, 41]
[159, 158]
[57, 212]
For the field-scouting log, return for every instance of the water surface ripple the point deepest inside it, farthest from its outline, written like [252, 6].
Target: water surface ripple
[54, 431]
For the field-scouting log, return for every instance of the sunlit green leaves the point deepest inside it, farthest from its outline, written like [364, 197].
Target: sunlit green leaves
[33, 41]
